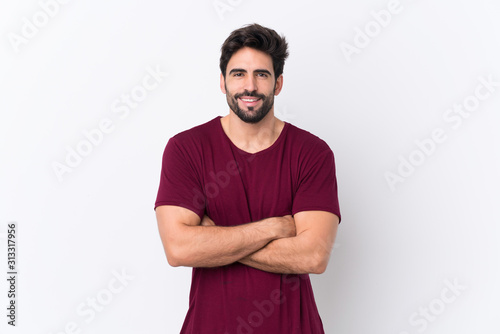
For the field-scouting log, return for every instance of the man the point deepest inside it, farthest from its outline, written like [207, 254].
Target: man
[250, 202]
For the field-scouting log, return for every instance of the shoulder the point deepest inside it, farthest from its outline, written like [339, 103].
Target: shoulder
[193, 143]
[303, 140]
[198, 132]
[197, 138]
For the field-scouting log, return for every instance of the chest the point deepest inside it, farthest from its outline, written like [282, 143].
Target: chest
[241, 188]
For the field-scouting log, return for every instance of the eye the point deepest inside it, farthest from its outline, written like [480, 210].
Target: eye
[238, 74]
[262, 75]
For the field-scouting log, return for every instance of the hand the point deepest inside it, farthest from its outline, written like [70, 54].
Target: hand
[286, 227]
[206, 221]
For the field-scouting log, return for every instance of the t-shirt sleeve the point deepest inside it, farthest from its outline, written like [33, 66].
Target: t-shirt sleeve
[179, 181]
[317, 185]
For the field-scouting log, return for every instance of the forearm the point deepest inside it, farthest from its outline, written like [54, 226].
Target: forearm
[212, 246]
[291, 256]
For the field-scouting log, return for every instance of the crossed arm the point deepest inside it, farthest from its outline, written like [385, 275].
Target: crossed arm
[307, 252]
[295, 245]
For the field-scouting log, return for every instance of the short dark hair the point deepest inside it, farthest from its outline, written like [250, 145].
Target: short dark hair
[256, 37]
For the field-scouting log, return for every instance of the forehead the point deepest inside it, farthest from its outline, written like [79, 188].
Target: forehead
[250, 59]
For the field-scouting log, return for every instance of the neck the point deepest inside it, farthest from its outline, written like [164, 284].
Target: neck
[249, 137]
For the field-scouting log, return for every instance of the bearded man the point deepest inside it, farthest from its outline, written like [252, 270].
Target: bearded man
[250, 202]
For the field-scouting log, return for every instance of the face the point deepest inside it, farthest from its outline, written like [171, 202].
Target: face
[250, 84]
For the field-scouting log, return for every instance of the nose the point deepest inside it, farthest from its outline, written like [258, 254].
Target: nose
[250, 83]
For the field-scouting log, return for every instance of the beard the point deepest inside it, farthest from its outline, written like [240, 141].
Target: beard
[251, 115]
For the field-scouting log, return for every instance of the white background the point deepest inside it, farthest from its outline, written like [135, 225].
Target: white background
[395, 247]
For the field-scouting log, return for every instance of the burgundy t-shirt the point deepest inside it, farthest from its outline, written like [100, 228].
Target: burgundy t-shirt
[205, 172]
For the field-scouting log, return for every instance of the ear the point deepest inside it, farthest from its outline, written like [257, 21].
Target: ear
[222, 84]
[279, 85]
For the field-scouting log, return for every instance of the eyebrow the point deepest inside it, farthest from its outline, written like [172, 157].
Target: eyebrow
[245, 71]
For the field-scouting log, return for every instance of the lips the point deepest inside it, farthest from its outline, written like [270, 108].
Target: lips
[249, 101]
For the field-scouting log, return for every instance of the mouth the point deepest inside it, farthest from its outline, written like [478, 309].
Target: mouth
[249, 101]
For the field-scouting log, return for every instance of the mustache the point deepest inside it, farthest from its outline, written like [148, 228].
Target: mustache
[252, 94]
